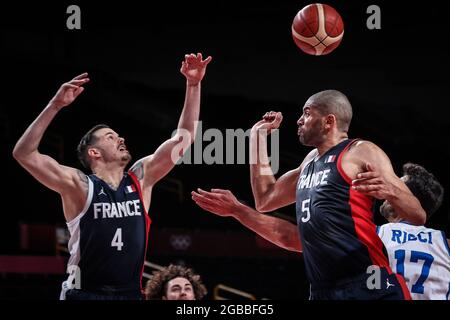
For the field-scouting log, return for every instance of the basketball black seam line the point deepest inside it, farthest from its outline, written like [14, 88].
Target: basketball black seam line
[307, 26]
[334, 25]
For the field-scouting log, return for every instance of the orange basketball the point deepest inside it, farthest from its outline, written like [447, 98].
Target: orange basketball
[317, 29]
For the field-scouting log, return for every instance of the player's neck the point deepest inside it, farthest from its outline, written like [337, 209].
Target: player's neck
[331, 142]
[395, 219]
[112, 176]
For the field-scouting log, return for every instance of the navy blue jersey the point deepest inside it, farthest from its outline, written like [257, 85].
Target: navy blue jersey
[338, 234]
[109, 237]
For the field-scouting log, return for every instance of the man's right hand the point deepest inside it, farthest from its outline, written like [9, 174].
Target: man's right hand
[271, 121]
[220, 202]
[69, 91]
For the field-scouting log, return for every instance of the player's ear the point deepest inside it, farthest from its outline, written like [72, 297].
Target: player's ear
[330, 120]
[94, 153]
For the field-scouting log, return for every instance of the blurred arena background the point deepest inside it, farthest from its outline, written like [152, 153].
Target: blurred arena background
[396, 78]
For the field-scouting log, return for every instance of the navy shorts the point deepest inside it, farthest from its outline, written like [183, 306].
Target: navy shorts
[75, 294]
[391, 287]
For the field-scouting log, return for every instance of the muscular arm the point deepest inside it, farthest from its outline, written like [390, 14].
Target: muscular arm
[270, 193]
[154, 167]
[278, 231]
[69, 182]
[377, 178]
[223, 203]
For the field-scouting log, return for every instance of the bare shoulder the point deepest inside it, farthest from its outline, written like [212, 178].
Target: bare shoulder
[361, 153]
[82, 177]
[363, 146]
[75, 197]
[81, 183]
[364, 151]
[138, 169]
[367, 151]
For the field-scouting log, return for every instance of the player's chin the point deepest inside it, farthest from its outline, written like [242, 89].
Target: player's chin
[126, 157]
[184, 298]
[304, 141]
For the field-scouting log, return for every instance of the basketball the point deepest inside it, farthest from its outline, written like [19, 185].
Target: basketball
[317, 29]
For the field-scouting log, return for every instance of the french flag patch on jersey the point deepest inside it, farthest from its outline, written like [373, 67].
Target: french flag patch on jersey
[130, 189]
[330, 158]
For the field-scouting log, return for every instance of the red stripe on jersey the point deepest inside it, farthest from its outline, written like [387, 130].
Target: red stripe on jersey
[402, 283]
[360, 206]
[148, 221]
[365, 228]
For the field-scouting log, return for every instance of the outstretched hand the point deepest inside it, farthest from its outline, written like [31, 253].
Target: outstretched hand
[271, 121]
[69, 91]
[220, 202]
[373, 183]
[194, 67]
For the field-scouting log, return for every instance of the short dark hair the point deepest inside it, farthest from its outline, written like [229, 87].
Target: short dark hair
[156, 287]
[89, 139]
[336, 103]
[424, 186]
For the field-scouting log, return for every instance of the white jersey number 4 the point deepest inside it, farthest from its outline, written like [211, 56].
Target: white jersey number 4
[117, 240]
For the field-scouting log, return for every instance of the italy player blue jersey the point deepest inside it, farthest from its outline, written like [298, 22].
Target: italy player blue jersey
[109, 237]
[336, 225]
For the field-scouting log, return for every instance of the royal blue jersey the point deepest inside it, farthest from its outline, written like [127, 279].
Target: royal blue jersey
[336, 225]
[109, 237]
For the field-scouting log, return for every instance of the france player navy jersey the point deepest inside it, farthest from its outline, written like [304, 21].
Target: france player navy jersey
[109, 237]
[336, 225]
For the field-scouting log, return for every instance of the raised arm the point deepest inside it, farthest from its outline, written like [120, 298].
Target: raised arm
[270, 193]
[223, 203]
[154, 167]
[69, 182]
[377, 178]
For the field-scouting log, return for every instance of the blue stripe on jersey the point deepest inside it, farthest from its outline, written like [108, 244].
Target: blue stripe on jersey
[448, 292]
[378, 229]
[444, 237]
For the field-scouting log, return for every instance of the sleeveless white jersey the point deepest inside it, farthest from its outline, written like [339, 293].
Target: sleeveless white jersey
[422, 256]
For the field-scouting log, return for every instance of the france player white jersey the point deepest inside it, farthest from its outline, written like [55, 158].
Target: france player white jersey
[422, 256]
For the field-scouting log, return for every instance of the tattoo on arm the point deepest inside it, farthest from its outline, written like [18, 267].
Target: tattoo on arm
[83, 178]
[138, 170]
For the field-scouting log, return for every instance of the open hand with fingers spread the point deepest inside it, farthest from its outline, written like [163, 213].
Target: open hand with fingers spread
[69, 91]
[271, 121]
[218, 201]
[374, 183]
[193, 68]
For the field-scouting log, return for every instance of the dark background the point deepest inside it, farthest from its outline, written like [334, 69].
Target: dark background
[396, 78]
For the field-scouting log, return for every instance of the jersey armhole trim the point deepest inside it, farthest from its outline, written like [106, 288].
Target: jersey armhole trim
[444, 237]
[339, 162]
[86, 205]
[138, 187]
